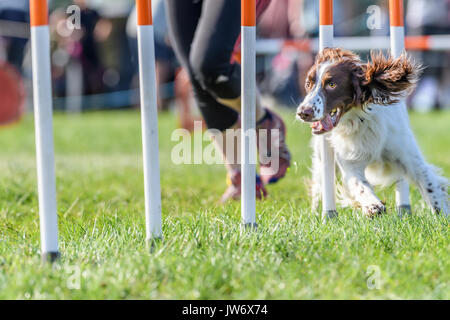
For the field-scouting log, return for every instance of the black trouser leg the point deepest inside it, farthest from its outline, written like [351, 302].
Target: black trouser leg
[204, 34]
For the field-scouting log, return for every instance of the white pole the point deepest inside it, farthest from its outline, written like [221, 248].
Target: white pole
[397, 30]
[402, 197]
[326, 151]
[397, 40]
[43, 109]
[149, 118]
[248, 114]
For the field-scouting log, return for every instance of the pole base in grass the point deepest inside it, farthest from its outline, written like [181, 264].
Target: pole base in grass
[404, 209]
[50, 257]
[250, 226]
[329, 214]
[153, 242]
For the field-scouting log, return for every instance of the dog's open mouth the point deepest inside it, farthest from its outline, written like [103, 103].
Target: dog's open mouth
[327, 123]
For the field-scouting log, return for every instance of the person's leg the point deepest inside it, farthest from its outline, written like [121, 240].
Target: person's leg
[212, 48]
[210, 59]
[183, 18]
[183, 93]
[214, 41]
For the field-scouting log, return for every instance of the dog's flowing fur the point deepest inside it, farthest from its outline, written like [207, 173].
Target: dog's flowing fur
[372, 139]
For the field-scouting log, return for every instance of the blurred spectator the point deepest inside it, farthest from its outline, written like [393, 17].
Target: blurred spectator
[14, 11]
[284, 19]
[172, 80]
[424, 18]
[61, 46]
[166, 63]
[94, 29]
[77, 68]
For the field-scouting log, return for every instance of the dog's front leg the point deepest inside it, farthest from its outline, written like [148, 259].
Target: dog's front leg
[359, 188]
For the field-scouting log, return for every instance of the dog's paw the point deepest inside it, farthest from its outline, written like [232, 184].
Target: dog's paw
[374, 209]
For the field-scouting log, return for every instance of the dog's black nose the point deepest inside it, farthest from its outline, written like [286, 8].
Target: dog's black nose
[306, 114]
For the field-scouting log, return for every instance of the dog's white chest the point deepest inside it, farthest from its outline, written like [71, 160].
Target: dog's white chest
[360, 136]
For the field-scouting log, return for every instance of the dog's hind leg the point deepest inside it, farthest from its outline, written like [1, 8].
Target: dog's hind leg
[432, 186]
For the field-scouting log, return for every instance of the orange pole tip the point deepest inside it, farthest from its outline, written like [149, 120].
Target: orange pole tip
[396, 14]
[248, 13]
[326, 12]
[144, 12]
[38, 13]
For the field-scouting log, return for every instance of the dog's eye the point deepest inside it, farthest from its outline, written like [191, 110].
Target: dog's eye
[331, 85]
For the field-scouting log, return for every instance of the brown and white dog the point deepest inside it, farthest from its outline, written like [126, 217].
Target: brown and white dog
[374, 144]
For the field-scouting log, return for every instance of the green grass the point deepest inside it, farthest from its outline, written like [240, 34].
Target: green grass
[204, 254]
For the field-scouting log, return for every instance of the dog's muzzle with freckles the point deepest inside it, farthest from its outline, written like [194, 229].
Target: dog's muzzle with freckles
[312, 110]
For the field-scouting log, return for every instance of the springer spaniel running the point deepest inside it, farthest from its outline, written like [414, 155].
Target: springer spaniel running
[374, 144]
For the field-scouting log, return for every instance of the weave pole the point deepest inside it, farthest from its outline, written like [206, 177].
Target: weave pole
[248, 112]
[397, 35]
[149, 119]
[397, 27]
[327, 153]
[43, 114]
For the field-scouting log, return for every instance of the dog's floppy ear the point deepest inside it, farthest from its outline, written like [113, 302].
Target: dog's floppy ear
[386, 80]
[359, 96]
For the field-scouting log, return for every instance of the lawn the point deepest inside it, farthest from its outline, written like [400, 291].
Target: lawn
[204, 254]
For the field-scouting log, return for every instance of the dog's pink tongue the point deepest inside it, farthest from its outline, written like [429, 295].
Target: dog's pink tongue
[327, 123]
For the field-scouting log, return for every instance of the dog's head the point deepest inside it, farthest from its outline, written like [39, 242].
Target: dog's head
[339, 81]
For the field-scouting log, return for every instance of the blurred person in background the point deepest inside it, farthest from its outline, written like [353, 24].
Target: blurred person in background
[61, 46]
[283, 19]
[77, 68]
[85, 47]
[166, 62]
[347, 21]
[425, 17]
[14, 33]
[205, 34]
[172, 80]
[14, 11]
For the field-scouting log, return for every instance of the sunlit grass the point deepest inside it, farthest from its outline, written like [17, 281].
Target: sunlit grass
[204, 254]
